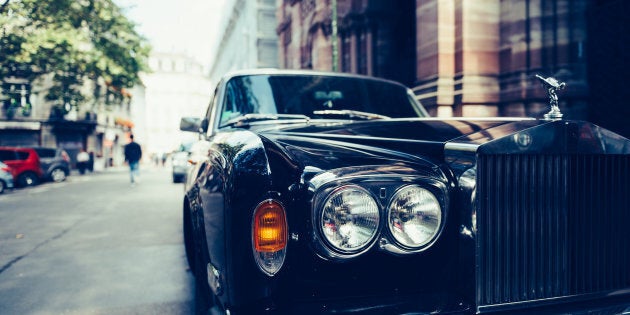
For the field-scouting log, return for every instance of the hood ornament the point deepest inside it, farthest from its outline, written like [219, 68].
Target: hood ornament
[552, 85]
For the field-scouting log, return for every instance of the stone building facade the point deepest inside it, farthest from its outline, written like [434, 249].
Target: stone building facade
[469, 58]
[374, 37]
[98, 125]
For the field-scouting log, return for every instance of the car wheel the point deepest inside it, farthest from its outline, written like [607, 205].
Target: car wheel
[27, 179]
[58, 175]
[2, 186]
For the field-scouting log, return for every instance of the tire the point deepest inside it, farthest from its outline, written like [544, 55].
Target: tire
[188, 240]
[58, 175]
[178, 178]
[202, 300]
[27, 179]
[3, 186]
[204, 297]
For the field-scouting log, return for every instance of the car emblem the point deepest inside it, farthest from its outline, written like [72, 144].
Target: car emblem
[552, 85]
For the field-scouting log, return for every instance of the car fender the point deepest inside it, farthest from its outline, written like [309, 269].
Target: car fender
[233, 179]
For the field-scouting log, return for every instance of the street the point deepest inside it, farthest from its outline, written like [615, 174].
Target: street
[95, 245]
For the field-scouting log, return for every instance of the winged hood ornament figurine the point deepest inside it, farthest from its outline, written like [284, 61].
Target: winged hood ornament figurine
[552, 85]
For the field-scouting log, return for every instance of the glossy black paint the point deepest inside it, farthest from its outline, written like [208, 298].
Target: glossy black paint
[297, 162]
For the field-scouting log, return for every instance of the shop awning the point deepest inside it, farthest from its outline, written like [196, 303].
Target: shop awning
[124, 122]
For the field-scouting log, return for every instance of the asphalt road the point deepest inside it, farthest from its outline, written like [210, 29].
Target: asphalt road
[95, 245]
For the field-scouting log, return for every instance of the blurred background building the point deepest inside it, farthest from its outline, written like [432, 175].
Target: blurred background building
[98, 126]
[177, 86]
[472, 58]
[247, 37]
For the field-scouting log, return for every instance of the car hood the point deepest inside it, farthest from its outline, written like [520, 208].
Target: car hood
[328, 145]
[425, 129]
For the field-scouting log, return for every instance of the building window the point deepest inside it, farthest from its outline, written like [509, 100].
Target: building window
[306, 53]
[180, 66]
[362, 53]
[167, 65]
[286, 42]
[346, 62]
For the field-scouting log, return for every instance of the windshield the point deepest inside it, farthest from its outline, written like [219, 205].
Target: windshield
[315, 95]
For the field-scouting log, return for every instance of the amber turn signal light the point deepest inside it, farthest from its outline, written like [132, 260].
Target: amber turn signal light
[270, 227]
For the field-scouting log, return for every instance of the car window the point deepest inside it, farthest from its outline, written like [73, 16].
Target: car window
[7, 155]
[302, 95]
[45, 153]
[22, 155]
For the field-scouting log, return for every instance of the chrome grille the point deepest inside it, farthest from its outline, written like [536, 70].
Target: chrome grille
[551, 226]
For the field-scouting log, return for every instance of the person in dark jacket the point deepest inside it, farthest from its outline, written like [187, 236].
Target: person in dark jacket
[133, 154]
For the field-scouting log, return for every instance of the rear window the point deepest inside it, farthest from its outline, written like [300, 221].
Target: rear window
[7, 155]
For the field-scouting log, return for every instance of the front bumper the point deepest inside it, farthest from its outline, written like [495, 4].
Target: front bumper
[417, 305]
[8, 181]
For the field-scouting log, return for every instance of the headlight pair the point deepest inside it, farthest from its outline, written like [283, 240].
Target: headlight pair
[350, 219]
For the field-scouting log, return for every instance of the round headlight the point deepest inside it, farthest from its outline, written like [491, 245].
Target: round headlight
[349, 219]
[414, 216]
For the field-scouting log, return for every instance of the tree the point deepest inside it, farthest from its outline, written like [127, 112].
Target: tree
[72, 41]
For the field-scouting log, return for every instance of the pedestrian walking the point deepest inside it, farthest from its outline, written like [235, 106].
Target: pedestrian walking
[133, 153]
[82, 161]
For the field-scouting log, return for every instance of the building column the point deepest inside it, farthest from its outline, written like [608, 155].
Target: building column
[476, 57]
[435, 55]
[353, 51]
[369, 57]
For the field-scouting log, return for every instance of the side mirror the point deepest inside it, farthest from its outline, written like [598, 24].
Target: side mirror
[192, 124]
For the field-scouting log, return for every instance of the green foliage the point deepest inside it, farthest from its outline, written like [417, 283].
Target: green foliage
[73, 41]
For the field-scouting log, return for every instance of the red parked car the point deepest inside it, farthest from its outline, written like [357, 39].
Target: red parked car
[25, 165]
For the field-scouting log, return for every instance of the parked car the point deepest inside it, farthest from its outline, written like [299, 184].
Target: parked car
[323, 193]
[55, 163]
[6, 178]
[24, 163]
[180, 165]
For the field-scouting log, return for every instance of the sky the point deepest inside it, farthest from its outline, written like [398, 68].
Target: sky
[188, 26]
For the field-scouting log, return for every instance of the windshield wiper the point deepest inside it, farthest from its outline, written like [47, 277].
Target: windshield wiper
[245, 120]
[350, 114]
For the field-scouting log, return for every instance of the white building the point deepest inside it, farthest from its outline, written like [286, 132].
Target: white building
[177, 87]
[249, 37]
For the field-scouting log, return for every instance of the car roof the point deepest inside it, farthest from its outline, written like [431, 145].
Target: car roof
[17, 148]
[289, 72]
[42, 148]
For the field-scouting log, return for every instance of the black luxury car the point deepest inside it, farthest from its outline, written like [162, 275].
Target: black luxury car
[322, 193]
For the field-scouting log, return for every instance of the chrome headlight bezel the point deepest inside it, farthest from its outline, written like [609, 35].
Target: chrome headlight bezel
[382, 188]
[329, 248]
[432, 194]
